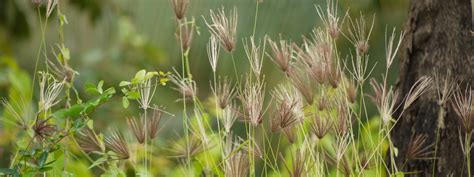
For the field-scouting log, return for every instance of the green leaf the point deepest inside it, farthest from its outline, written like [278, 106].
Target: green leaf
[9, 171]
[164, 80]
[109, 91]
[65, 53]
[125, 102]
[73, 111]
[124, 83]
[84, 108]
[99, 86]
[91, 89]
[63, 19]
[140, 75]
[149, 75]
[44, 169]
[133, 95]
[42, 159]
[90, 124]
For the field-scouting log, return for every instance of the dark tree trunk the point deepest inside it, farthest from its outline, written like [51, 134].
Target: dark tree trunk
[438, 39]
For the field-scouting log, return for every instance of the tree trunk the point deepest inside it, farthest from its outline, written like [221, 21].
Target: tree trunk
[438, 40]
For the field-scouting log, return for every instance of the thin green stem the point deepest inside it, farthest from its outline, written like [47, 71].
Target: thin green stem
[185, 116]
[255, 19]
[235, 69]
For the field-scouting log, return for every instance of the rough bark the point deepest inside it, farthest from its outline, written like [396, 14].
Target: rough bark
[438, 40]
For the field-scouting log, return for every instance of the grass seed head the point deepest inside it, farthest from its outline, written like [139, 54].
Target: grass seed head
[418, 148]
[282, 54]
[179, 8]
[154, 123]
[463, 105]
[252, 98]
[117, 144]
[137, 128]
[225, 92]
[88, 141]
[224, 27]
[186, 33]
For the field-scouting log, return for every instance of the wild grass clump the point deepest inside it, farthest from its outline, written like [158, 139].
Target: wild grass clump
[313, 123]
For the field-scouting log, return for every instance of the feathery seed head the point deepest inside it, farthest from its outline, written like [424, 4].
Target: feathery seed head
[298, 164]
[229, 116]
[61, 70]
[20, 111]
[225, 92]
[323, 104]
[417, 147]
[282, 54]
[89, 141]
[224, 27]
[185, 86]
[185, 33]
[362, 47]
[385, 100]
[43, 130]
[334, 76]
[419, 87]
[117, 144]
[343, 121]
[321, 125]
[255, 53]
[391, 50]
[445, 87]
[463, 105]
[301, 82]
[236, 163]
[290, 133]
[252, 98]
[37, 3]
[213, 52]
[179, 8]
[351, 92]
[316, 56]
[153, 123]
[359, 35]
[137, 128]
[342, 144]
[50, 89]
[289, 109]
[330, 19]
[188, 148]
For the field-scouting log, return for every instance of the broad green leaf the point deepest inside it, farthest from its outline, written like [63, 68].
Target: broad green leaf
[99, 86]
[91, 89]
[110, 91]
[133, 95]
[125, 102]
[124, 83]
[42, 159]
[140, 75]
[73, 111]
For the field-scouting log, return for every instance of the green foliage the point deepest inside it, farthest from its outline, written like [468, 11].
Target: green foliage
[83, 109]
[142, 80]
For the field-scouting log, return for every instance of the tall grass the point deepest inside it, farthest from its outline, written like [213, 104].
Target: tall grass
[314, 123]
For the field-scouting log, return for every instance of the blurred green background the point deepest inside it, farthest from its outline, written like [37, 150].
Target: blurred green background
[111, 40]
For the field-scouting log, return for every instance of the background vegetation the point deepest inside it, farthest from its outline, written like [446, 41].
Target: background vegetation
[112, 40]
